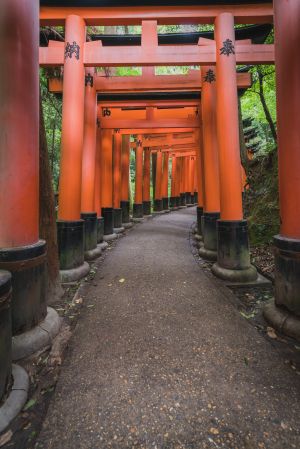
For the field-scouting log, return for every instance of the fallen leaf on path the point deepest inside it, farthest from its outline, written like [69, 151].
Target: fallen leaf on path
[5, 438]
[245, 315]
[121, 280]
[29, 404]
[214, 431]
[271, 332]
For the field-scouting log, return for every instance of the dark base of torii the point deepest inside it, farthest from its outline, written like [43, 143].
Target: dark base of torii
[233, 253]
[208, 250]
[284, 313]
[29, 298]
[147, 208]
[70, 238]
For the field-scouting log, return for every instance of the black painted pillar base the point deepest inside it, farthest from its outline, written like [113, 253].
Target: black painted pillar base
[158, 206]
[5, 331]
[100, 229]
[182, 200]
[233, 262]
[125, 206]
[165, 201]
[137, 211]
[70, 238]
[108, 215]
[178, 201]
[117, 219]
[196, 197]
[173, 203]
[209, 249]
[147, 208]
[199, 220]
[188, 198]
[287, 273]
[91, 251]
[27, 265]
[192, 199]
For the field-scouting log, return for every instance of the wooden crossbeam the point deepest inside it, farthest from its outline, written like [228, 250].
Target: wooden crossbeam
[165, 15]
[149, 82]
[164, 143]
[95, 55]
[149, 103]
[159, 130]
[176, 153]
[141, 114]
[107, 123]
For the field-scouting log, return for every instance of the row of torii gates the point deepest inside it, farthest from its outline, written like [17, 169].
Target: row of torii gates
[198, 133]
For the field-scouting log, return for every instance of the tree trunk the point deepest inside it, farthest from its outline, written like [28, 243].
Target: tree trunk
[265, 106]
[53, 143]
[243, 149]
[47, 216]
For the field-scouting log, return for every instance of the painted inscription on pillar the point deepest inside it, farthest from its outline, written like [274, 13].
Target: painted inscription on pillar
[228, 48]
[89, 80]
[210, 76]
[72, 49]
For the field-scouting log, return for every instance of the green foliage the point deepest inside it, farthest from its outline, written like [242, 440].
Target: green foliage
[261, 199]
[253, 107]
[52, 109]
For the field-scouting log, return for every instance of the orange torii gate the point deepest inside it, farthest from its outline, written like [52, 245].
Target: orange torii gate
[21, 248]
[225, 52]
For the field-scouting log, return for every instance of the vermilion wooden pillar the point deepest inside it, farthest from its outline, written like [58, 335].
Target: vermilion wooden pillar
[165, 182]
[146, 183]
[69, 226]
[107, 181]
[125, 159]
[200, 177]
[117, 151]
[192, 179]
[177, 181]
[138, 196]
[187, 181]
[21, 251]
[182, 181]
[97, 190]
[72, 121]
[158, 207]
[195, 184]
[173, 203]
[211, 211]
[89, 144]
[233, 261]
[287, 243]
[88, 214]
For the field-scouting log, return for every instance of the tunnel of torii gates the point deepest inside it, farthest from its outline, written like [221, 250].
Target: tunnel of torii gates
[200, 136]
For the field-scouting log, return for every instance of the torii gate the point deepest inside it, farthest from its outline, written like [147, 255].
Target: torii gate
[75, 54]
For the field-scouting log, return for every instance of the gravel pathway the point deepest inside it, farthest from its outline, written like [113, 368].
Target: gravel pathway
[161, 359]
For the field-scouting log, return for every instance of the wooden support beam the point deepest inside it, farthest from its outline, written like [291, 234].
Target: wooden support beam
[95, 55]
[156, 130]
[191, 81]
[149, 124]
[164, 143]
[165, 15]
